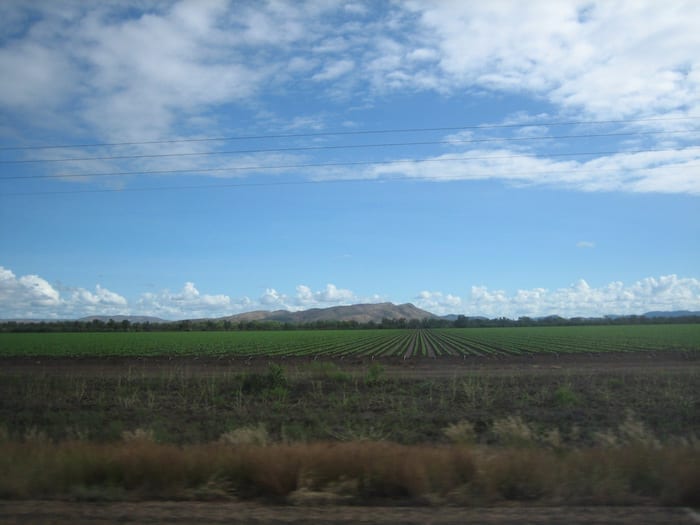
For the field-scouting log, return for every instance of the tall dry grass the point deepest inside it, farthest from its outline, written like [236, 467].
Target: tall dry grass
[355, 472]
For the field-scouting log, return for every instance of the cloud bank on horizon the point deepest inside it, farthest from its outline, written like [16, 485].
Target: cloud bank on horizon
[30, 296]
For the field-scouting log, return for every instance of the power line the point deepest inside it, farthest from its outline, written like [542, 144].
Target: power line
[329, 164]
[340, 147]
[326, 181]
[346, 133]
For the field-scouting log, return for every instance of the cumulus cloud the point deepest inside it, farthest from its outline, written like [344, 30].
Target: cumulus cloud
[187, 303]
[190, 303]
[28, 292]
[330, 295]
[100, 298]
[272, 298]
[31, 296]
[306, 298]
[439, 303]
[665, 293]
[556, 50]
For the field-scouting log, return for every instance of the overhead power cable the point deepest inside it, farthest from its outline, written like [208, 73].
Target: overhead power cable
[339, 147]
[347, 133]
[326, 164]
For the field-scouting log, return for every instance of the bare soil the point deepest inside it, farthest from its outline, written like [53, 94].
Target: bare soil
[70, 513]
[414, 367]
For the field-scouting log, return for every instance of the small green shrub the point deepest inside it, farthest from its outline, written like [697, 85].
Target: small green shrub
[375, 374]
[564, 396]
[255, 383]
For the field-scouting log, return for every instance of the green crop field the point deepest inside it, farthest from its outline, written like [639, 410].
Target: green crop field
[357, 343]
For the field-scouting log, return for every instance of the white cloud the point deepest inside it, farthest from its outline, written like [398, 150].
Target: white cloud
[334, 70]
[131, 74]
[615, 59]
[122, 73]
[272, 298]
[585, 244]
[438, 303]
[674, 171]
[100, 298]
[422, 54]
[27, 292]
[609, 59]
[330, 295]
[664, 293]
[31, 296]
[187, 303]
[306, 298]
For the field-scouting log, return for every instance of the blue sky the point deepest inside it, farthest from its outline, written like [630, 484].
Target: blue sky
[497, 159]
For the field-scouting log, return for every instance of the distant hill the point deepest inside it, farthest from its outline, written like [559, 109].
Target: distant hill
[675, 313]
[120, 318]
[362, 313]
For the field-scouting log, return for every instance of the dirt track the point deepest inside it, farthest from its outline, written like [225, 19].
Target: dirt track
[59, 513]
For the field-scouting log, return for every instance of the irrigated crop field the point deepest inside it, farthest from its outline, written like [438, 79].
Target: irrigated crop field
[358, 343]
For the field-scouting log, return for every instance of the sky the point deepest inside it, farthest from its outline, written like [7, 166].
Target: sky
[188, 159]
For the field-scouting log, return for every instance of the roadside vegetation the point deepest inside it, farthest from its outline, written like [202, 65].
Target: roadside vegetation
[323, 432]
[352, 473]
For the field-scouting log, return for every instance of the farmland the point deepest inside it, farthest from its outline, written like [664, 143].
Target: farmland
[385, 343]
[463, 416]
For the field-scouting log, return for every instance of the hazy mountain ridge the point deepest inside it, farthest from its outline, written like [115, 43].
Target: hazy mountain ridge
[361, 313]
[676, 313]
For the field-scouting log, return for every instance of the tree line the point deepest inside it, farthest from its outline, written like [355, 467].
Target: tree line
[461, 321]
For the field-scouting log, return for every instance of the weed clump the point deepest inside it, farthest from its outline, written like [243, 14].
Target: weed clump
[462, 433]
[631, 432]
[249, 435]
[564, 396]
[138, 435]
[274, 379]
[375, 374]
[513, 431]
[328, 370]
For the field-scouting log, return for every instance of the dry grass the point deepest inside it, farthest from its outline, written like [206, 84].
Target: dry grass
[351, 472]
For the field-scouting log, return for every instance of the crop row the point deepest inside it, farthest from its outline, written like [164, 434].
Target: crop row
[368, 343]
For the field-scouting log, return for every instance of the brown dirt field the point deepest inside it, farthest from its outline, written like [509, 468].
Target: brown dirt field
[441, 367]
[67, 513]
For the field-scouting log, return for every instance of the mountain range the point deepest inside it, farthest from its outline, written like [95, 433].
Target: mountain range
[361, 313]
